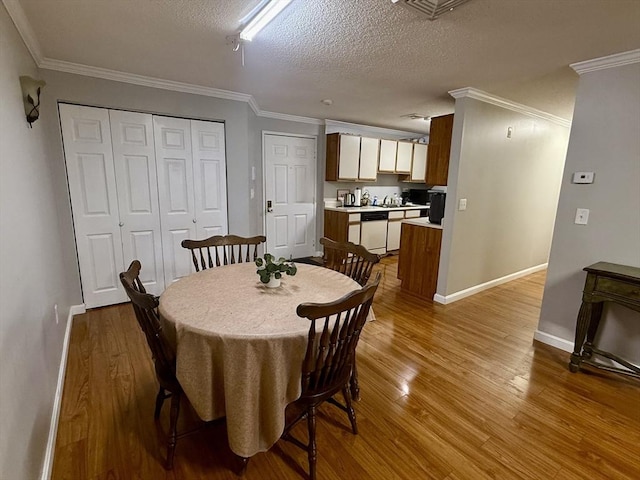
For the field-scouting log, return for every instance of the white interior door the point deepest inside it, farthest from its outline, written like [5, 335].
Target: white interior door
[290, 185]
[174, 162]
[92, 186]
[135, 165]
[210, 178]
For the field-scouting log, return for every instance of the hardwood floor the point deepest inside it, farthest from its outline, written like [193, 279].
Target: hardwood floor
[449, 392]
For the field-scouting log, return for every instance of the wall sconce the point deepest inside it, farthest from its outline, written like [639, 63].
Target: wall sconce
[31, 97]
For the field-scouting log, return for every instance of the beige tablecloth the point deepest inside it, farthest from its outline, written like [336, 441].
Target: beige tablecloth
[240, 345]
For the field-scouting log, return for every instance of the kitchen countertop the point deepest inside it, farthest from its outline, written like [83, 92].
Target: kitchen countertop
[422, 222]
[375, 209]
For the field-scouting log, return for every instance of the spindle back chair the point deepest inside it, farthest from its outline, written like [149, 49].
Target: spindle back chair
[145, 307]
[331, 347]
[223, 250]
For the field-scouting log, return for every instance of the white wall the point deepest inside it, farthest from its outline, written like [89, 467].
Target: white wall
[511, 186]
[31, 272]
[605, 139]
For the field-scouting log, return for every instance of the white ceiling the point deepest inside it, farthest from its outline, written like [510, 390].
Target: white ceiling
[376, 60]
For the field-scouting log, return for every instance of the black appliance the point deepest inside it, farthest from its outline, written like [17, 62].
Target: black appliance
[418, 196]
[436, 208]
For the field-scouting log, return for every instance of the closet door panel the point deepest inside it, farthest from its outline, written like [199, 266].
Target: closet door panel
[92, 187]
[135, 166]
[174, 160]
[210, 180]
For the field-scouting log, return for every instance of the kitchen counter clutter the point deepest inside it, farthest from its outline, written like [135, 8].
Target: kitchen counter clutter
[373, 209]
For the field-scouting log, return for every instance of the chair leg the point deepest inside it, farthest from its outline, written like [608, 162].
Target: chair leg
[159, 401]
[173, 427]
[353, 382]
[311, 452]
[244, 462]
[350, 411]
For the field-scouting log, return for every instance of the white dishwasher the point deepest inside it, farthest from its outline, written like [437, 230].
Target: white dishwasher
[373, 231]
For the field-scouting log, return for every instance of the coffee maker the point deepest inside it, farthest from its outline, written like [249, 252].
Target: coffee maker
[436, 207]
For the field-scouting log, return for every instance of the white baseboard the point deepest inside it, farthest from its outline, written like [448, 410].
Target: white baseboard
[553, 341]
[445, 299]
[57, 401]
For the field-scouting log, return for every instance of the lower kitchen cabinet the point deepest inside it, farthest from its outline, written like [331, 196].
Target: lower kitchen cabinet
[419, 259]
[342, 226]
[393, 229]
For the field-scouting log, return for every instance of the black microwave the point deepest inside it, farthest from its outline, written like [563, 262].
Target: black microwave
[418, 196]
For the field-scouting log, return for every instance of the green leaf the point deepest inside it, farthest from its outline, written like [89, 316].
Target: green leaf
[259, 262]
[277, 275]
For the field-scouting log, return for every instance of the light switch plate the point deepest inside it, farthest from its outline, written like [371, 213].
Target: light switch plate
[462, 204]
[582, 216]
[583, 177]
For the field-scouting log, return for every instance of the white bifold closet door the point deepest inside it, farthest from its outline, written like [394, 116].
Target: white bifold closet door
[192, 186]
[139, 185]
[135, 167]
[92, 184]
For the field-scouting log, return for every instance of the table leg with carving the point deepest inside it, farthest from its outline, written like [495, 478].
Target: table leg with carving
[594, 323]
[584, 319]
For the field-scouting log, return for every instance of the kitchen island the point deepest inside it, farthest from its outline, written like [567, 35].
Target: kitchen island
[419, 259]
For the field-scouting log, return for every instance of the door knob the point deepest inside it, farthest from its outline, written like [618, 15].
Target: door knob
[269, 206]
[194, 220]
[121, 224]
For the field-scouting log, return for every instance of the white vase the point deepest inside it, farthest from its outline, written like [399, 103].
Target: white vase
[273, 282]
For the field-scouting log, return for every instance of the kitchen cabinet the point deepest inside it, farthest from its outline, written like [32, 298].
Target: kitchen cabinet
[342, 226]
[395, 157]
[393, 229]
[404, 157]
[369, 152]
[419, 163]
[388, 153]
[439, 150]
[351, 158]
[419, 258]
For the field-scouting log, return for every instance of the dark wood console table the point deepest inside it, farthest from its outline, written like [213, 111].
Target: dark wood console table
[606, 282]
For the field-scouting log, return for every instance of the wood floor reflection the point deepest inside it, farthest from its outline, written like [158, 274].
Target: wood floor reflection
[448, 392]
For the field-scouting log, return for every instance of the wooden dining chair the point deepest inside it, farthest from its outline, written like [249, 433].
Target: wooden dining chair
[223, 250]
[356, 262]
[145, 307]
[326, 369]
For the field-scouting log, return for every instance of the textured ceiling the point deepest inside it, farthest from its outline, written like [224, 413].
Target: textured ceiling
[378, 61]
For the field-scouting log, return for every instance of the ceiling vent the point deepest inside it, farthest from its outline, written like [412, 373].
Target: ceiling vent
[432, 9]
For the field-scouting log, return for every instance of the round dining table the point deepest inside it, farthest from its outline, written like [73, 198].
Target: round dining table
[240, 345]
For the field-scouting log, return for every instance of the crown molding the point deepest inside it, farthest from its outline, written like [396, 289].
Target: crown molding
[346, 127]
[115, 75]
[142, 80]
[508, 104]
[610, 61]
[15, 11]
[290, 118]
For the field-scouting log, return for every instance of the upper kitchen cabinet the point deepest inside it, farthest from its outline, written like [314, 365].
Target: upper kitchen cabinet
[403, 160]
[369, 152]
[439, 150]
[395, 156]
[388, 152]
[419, 163]
[351, 158]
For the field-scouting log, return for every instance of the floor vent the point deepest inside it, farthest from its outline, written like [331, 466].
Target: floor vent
[432, 9]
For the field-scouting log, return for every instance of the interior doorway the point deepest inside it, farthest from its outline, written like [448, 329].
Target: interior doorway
[289, 194]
